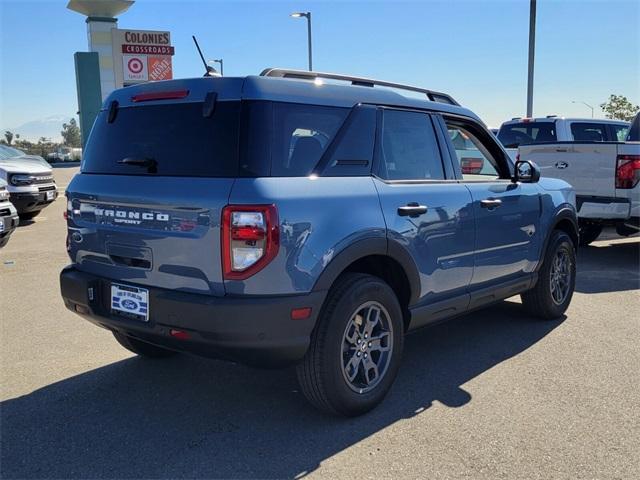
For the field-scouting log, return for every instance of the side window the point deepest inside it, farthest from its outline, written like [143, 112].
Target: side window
[620, 132]
[302, 133]
[475, 160]
[589, 132]
[408, 147]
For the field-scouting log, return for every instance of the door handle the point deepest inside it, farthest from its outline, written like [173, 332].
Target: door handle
[490, 203]
[412, 209]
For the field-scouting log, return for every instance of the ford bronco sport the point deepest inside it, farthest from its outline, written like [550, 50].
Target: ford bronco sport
[290, 218]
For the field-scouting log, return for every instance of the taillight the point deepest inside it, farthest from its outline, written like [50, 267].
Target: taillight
[627, 171]
[250, 239]
[471, 165]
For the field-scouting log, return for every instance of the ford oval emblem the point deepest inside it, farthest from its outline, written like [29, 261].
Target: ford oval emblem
[129, 304]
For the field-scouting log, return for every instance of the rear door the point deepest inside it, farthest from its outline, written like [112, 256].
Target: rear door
[507, 214]
[146, 207]
[426, 210]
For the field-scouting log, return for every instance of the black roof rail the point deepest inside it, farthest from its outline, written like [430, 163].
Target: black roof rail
[360, 81]
[552, 116]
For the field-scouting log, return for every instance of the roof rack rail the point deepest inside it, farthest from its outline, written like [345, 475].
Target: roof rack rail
[360, 81]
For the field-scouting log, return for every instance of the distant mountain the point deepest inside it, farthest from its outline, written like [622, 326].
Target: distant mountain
[49, 127]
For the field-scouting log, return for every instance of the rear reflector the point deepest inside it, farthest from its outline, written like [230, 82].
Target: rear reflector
[300, 313]
[179, 334]
[171, 95]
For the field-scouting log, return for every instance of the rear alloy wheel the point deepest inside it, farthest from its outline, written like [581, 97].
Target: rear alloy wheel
[553, 291]
[355, 348]
[141, 348]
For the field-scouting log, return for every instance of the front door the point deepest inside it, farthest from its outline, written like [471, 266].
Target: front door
[507, 214]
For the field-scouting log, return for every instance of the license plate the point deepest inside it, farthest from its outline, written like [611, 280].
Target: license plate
[131, 302]
[1, 225]
[50, 195]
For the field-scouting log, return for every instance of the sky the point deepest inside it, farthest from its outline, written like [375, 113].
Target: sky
[473, 50]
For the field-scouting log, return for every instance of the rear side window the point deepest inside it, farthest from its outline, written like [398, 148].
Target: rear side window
[408, 147]
[301, 135]
[515, 134]
[589, 132]
[620, 132]
[178, 138]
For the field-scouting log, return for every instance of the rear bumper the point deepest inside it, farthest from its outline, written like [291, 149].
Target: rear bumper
[254, 330]
[603, 208]
[31, 202]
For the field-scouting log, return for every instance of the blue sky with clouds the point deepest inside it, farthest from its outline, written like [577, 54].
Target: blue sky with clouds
[475, 50]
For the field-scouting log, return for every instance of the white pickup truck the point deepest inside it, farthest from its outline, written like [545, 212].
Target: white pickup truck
[531, 131]
[605, 174]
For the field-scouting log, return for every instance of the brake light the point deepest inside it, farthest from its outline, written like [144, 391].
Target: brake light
[250, 239]
[471, 165]
[627, 171]
[170, 95]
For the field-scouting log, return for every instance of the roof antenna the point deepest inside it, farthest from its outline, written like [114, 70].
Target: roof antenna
[209, 70]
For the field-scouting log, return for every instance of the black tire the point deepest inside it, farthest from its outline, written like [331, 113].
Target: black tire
[320, 374]
[29, 215]
[540, 300]
[589, 232]
[141, 348]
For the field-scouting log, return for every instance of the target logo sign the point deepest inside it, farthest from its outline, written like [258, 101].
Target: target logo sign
[135, 68]
[135, 65]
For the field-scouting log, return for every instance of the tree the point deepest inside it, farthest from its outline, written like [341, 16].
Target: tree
[9, 136]
[71, 133]
[620, 108]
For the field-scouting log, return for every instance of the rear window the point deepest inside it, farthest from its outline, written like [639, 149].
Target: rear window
[589, 132]
[178, 138]
[515, 134]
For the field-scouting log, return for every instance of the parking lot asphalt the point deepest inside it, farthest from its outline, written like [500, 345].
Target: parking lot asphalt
[494, 394]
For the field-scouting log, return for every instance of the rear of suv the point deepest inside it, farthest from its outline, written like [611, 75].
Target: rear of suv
[289, 219]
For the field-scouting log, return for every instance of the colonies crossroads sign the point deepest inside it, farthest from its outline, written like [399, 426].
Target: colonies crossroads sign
[141, 56]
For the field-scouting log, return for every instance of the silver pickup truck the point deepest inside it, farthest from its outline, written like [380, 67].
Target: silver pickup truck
[604, 174]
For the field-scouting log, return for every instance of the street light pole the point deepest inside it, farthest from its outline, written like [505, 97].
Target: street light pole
[306, 15]
[584, 103]
[532, 48]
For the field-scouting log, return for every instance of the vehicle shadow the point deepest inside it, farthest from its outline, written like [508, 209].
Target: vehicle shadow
[186, 417]
[613, 267]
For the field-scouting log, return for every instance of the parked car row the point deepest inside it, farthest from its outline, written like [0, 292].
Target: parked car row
[65, 154]
[26, 187]
[599, 158]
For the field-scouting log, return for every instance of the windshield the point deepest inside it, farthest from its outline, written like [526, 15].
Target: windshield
[515, 134]
[10, 152]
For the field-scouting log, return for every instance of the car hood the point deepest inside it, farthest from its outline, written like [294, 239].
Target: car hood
[25, 164]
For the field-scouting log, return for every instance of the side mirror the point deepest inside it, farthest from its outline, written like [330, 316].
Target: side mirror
[526, 172]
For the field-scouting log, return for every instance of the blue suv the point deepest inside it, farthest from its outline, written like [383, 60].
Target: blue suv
[305, 218]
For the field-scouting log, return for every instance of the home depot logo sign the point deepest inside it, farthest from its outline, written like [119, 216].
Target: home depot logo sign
[146, 55]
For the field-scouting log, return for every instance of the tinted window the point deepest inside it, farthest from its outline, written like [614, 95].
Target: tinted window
[473, 157]
[178, 137]
[352, 151]
[515, 134]
[408, 147]
[589, 132]
[301, 135]
[620, 132]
